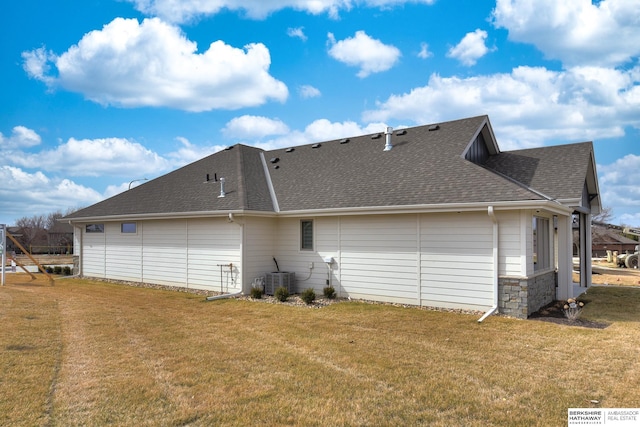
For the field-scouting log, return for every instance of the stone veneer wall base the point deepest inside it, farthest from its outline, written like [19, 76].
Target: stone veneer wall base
[521, 297]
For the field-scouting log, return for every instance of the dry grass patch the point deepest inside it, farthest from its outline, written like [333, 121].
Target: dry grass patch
[111, 354]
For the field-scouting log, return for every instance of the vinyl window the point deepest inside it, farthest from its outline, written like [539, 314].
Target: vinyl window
[94, 228]
[128, 227]
[541, 244]
[306, 235]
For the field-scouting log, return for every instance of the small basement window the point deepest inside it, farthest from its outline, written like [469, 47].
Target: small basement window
[306, 235]
[128, 227]
[94, 228]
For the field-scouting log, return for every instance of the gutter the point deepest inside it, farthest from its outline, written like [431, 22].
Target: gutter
[495, 265]
[551, 206]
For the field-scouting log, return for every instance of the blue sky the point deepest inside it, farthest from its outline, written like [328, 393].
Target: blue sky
[97, 93]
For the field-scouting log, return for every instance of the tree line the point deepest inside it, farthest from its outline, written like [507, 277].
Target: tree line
[43, 233]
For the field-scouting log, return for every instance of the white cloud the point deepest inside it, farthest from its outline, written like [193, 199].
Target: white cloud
[21, 137]
[619, 184]
[424, 51]
[186, 10]
[95, 157]
[574, 31]
[318, 131]
[527, 106]
[133, 64]
[307, 91]
[188, 152]
[36, 64]
[36, 193]
[470, 49]
[254, 127]
[371, 55]
[297, 32]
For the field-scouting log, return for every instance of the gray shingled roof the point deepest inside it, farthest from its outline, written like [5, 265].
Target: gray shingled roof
[185, 190]
[557, 171]
[423, 168]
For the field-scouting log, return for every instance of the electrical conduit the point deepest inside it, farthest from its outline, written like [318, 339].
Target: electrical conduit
[495, 265]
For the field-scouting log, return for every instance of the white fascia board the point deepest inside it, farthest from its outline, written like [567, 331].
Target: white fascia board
[170, 215]
[549, 206]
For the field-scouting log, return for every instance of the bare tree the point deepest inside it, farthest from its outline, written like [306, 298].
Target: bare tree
[59, 233]
[43, 233]
[605, 216]
[33, 231]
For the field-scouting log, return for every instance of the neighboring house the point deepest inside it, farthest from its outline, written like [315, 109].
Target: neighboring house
[609, 237]
[16, 232]
[432, 215]
[60, 238]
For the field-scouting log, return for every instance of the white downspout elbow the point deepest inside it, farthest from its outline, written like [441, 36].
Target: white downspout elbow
[224, 296]
[494, 307]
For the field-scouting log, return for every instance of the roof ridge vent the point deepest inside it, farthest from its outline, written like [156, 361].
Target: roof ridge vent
[388, 132]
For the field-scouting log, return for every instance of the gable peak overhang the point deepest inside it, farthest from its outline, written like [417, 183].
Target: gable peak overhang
[485, 130]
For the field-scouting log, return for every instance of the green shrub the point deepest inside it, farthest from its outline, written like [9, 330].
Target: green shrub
[256, 292]
[49, 270]
[281, 294]
[57, 270]
[308, 296]
[66, 270]
[329, 292]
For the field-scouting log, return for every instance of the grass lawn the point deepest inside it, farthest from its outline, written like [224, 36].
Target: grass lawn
[88, 353]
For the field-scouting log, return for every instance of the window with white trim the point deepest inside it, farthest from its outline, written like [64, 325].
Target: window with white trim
[306, 235]
[94, 228]
[541, 244]
[128, 228]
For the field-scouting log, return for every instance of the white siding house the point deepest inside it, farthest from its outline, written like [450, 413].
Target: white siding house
[442, 219]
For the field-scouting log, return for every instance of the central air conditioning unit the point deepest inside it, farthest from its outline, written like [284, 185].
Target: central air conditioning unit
[274, 280]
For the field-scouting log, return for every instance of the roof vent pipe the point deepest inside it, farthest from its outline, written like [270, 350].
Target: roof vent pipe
[222, 193]
[387, 133]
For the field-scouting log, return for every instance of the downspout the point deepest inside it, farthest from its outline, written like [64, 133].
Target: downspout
[216, 297]
[223, 296]
[495, 265]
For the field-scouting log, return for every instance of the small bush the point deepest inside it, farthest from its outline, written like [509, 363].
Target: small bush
[308, 296]
[256, 292]
[329, 292]
[281, 294]
[57, 270]
[66, 270]
[573, 309]
[49, 270]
